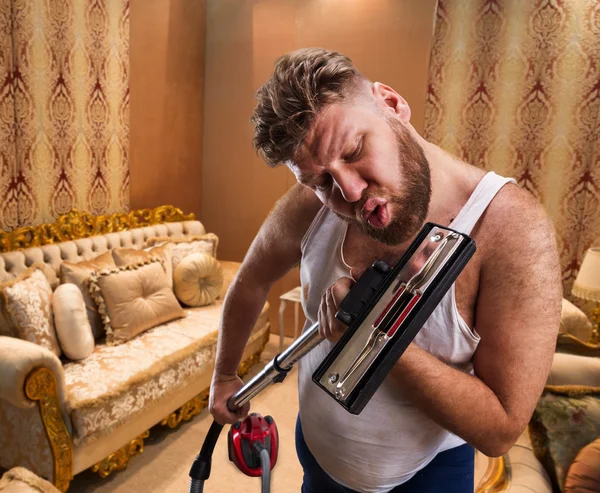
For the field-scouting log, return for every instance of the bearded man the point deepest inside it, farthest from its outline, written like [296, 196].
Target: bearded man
[367, 183]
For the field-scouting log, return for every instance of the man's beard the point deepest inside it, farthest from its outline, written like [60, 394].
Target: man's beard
[408, 210]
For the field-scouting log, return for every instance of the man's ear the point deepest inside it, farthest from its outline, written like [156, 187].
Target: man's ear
[392, 101]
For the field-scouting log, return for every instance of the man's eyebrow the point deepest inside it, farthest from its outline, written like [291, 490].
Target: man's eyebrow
[337, 139]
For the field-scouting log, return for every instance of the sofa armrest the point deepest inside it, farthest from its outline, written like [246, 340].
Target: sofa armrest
[21, 480]
[18, 358]
[571, 369]
[527, 475]
[35, 427]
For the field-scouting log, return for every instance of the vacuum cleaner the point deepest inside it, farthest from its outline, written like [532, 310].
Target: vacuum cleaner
[384, 310]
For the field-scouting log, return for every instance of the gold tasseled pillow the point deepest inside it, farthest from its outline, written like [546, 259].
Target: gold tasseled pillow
[27, 302]
[133, 298]
[124, 256]
[184, 246]
[79, 273]
[198, 279]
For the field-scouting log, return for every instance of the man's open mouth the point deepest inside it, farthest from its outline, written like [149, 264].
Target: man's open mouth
[375, 212]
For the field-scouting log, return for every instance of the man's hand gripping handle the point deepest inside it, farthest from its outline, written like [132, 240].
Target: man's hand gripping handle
[277, 369]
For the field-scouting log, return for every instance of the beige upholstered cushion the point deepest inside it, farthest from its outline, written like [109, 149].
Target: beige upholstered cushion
[134, 298]
[53, 279]
[207, 243]
[21, 480]
[124, 256]
[198, 279]
[71, 322]
[79, 274]
[27, 301]
[573, 321]
[584, 473]
[116, 383]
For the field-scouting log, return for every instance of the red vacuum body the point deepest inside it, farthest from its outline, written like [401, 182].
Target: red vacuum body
[243, 437]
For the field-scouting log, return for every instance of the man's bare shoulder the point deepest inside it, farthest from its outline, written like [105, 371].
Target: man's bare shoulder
[515, 218]
[519, 250]
[291, 216]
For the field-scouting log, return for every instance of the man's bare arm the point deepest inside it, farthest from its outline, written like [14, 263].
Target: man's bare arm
[517, 317]
[273, 253]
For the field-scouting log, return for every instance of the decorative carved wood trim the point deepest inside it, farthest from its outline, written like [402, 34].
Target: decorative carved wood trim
[117, 461]
[41, 386]
[75, 225]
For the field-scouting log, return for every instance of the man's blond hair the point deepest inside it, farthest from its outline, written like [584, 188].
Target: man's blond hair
[303, 83]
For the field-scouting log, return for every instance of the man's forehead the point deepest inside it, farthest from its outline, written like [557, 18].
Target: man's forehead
[331, 129]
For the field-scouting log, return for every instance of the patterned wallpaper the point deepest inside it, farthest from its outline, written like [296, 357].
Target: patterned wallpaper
[64, 108]
[514, 88]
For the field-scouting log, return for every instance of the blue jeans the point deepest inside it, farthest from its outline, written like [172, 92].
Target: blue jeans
[451, 471]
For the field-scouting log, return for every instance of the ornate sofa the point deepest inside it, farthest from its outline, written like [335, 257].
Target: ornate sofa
[60, 417]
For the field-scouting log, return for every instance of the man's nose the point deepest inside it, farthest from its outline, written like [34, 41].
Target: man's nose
[350, 185]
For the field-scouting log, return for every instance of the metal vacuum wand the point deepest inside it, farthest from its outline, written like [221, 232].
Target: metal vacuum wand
[274, 372]
[277, 369]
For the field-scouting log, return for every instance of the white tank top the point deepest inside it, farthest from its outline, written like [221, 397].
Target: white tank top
[391, 439]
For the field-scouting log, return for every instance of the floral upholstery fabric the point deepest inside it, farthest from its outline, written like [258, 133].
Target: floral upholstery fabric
[116, 383]
[207, 243]
[564, 422]
[182, 250]
[28, 302]
[23, 430]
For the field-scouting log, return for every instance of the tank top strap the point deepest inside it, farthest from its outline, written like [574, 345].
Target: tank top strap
[478, 202]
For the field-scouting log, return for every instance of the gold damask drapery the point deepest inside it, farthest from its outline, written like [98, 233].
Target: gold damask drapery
[64, 108]
[514, 88]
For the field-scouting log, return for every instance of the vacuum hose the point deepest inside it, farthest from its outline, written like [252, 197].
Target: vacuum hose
[200, 470]
[196, 486]
[265, 462]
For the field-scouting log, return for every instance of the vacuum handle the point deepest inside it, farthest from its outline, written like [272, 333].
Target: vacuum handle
[277, 369]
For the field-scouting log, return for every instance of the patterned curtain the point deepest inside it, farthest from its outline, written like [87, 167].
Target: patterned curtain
[9, 213]
[70, 84]
[514, 88]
